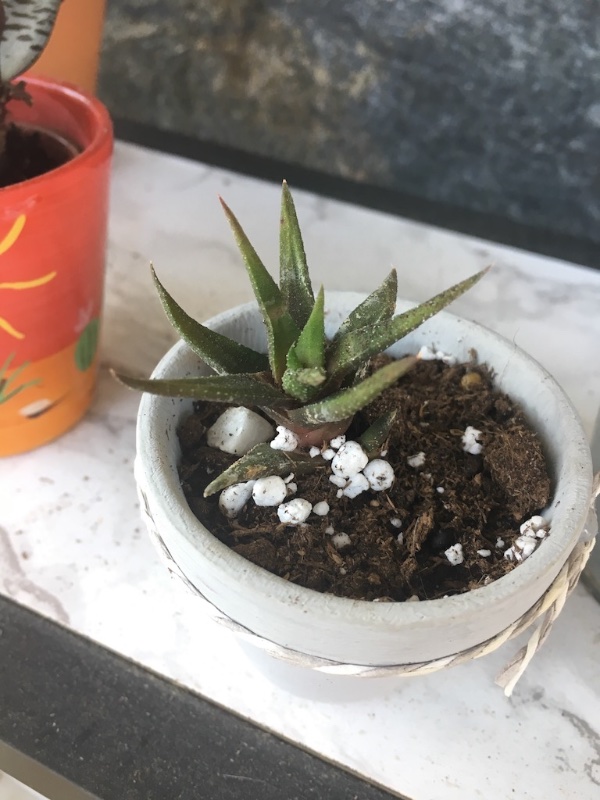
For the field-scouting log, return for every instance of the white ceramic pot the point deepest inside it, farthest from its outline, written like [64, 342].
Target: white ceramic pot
[351, 631]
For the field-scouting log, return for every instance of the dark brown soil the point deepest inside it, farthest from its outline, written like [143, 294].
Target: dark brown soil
[484, 497]
[30, 153]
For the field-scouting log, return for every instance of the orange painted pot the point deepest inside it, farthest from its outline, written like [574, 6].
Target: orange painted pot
[52, 253]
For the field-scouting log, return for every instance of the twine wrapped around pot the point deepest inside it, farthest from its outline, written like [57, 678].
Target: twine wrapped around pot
[546, 610]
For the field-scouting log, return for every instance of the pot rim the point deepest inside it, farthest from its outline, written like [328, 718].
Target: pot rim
[80, 100]
[167, 496]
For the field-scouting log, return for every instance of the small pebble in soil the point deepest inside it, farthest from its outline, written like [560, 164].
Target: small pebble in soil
[349, 460]
[314, 452]
[238, 430]
[269, 491]
[285, 440]
[321, 509]
[484, 553]
[417, 460]
[470, 380]
[396, 522]
[379, 474]
[295, 512]
[337, 442]
[470, 441]
[355, 486]
[454, 554]
[340, 540]
[233, 499]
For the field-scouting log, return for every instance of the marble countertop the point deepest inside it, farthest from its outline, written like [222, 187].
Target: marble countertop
[73, 548]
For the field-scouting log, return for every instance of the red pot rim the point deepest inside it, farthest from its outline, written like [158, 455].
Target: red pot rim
[80, 101]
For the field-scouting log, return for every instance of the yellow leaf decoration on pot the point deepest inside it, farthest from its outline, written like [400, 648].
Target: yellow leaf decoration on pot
[5, 244]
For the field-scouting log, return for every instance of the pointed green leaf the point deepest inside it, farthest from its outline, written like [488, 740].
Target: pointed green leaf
[377, 308]
[282, 331]
[222, 354]
[346, 403]
[376, 434]
[240, 389]
[303, 384]
[310, 347]
[261, 461]
[348, 352]
[293, 270]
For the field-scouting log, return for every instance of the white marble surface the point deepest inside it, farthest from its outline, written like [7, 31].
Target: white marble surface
[73, 548]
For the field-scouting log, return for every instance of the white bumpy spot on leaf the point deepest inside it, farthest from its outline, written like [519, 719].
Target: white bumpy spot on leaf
[349, 460]
[238, 430]
[269, 491]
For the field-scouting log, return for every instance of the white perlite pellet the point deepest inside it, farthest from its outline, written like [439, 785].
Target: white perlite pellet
[413, 599]
[321, 509]
[314, 451]
[340, 540]
[454, 554]
[328, 454]
[289, 478]
[285, 440]
[349, 460]
[470, 441]
[379, 474]
[291, 487]
[427, 354]
[417, 460]
[295, 512]
[484, 553]
[269, 491]
[440, 489]
[499, 543]
[400, 538]
[522, 548]
[532, 531]
[534, 526]
[329, 530]
[238, 430]
[355, 486]
[337, 442]
[338, 481]
[233, 499]
[396, 522]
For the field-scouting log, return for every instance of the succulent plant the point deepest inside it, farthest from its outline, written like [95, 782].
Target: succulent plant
[25, 27]
[310, 385]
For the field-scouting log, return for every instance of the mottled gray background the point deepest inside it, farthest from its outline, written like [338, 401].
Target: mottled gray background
[490, 105]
